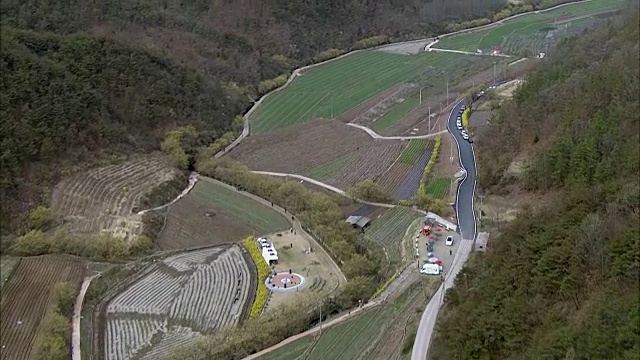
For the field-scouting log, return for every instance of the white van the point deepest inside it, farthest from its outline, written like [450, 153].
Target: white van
[431, 269]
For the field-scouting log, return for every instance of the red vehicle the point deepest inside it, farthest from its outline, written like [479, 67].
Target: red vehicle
[426, 230]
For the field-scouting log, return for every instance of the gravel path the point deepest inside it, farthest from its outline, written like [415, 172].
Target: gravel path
[77, 316]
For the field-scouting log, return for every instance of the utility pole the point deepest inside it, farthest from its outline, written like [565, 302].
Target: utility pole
[429, 118]
[481, 198]
[494, 72]
[447, 91]
[420, 96]
[331, 106]
[451, 148]
[321, 319]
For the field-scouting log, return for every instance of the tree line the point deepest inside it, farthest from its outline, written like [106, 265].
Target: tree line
[561, 280]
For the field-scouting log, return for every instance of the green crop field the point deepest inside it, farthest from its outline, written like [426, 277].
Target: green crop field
[529, 31]
[355, 338]
[255, 214]
[330, 168]
[439, 187]
[390, 229]
[414, 150]
[395, 113]
[338, 86]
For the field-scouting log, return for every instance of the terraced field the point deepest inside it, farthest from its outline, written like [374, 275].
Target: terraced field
[439, 187]
[27, 298]
[394, 114]
[213, 214]
[329, 169]
[182, 297]
[377, 334]
[531, 32]
[107, 197]
[332, 89]
[402, 180]
[391, 228]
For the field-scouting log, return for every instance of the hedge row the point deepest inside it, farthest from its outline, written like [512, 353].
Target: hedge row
[262, 293]
[270, 84]
[465, 118]
[427, 169]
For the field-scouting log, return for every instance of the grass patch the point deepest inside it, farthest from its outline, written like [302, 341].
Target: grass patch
[389, 230]
[7, 266]
[395, 113]
[330, 168]
[292, 351]
[257, 215]
[413, 151]
[439, 187]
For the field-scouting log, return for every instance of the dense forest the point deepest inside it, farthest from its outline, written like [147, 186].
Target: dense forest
[561, 280]
[83, 81]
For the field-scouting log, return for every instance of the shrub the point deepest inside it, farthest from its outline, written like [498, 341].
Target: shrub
[271, 84]
[39, 217]
[371, 42]
[65, 297]
[55, 335]
[465, 118]
[262, 293]
[427, 169]
[328, 54]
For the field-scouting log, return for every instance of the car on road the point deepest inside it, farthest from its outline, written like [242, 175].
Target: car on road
[431, 269]
[464, 107]
[449, 241]
[465, 136]
[470, 140]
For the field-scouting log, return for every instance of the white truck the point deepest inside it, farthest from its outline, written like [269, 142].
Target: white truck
[431, 269]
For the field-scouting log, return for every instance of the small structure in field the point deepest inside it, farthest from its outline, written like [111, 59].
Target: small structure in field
[270, 254]
[481, 242]
[359, 222]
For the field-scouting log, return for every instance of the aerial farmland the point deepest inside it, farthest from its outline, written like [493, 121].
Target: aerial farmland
[182, 297]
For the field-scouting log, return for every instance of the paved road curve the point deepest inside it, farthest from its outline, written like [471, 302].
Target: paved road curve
[467, 228]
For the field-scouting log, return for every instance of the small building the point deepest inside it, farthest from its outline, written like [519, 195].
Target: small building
[270, 255]
[482, 240]
[359, 222]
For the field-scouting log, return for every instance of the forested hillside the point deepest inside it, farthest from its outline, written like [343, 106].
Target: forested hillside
[561, 282]
[83, 79]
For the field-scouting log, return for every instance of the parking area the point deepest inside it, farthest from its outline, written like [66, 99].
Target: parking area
[441, 251]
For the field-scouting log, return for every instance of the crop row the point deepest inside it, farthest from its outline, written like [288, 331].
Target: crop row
[412, 152]
[26, 299]
[124, 338]
[326, 170]
[109, 188]
[409, 187]
[439, 187]
[186, 261]
[153, 294]
[390, 229]
[170, 340]
[214, 295]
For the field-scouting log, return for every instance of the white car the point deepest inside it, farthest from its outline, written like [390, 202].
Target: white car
[465, 136]
[449, 241]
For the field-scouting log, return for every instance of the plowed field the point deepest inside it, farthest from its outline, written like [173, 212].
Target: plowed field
[105, 197]
[27, 297]
[306, 149]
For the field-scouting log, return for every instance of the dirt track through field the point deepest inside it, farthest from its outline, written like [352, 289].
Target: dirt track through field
[76, 354]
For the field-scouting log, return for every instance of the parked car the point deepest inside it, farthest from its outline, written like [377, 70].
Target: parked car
[449, 241]
[459, 126]
[465, 136]
[464, 107]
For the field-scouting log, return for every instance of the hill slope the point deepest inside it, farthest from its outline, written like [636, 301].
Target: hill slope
[67, 98]
[561, 281]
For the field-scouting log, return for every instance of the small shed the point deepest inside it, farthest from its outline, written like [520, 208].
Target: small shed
[482, 240]
[358, 222]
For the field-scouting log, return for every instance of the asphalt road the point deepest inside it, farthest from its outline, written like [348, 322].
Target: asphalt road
[467, 228]
[466, 188]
